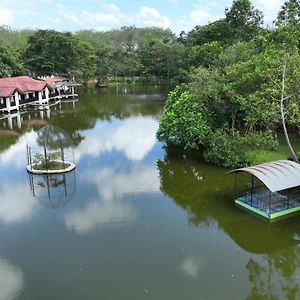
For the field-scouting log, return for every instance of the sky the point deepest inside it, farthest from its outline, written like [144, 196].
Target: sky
[100, 15]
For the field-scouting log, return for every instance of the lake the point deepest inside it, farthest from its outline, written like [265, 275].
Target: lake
[135, 220]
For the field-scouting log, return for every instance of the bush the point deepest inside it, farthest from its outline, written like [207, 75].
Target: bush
[237, 151]
[185, 121]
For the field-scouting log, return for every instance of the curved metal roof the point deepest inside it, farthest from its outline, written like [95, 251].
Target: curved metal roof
[276, 175]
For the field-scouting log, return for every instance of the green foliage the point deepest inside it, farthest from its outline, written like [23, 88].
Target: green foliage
[237, 150]
[289, 14]
[185, 120]
[226, 150]
[10, 62]
[52, 52]
[244, 19]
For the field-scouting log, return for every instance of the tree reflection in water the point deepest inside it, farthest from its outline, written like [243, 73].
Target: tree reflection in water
[53, 190]
[205, 192]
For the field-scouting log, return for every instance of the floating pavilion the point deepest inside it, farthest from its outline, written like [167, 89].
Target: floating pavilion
[274, 190]
[52, 152]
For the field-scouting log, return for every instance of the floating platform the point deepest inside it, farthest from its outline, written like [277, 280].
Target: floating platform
[280, 194]
[270, 207]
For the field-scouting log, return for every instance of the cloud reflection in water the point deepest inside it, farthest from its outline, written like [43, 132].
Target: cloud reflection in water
[16, 203]
[15, 155]
[11, 280]
[134, 136]
[110, 209]
[193, 265]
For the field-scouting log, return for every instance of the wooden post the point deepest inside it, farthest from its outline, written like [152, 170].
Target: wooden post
[27, 154]
[252, 183]
[30, 159]
[269, 203]
[46, 159]
[62, 154]
[235, 193]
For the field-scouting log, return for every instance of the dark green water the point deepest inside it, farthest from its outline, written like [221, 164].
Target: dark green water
[134, 221]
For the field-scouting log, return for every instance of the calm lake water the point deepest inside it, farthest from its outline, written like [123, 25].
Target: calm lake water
[135, 220]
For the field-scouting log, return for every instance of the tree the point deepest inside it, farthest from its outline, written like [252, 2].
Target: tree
[218, 31]
[52, 52]
[10, 63]
[244, 19]
[289, 14]
[185, 121]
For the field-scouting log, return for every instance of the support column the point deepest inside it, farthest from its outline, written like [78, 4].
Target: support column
[9, 121]
[72, 90]
[8, 103]
[47, 94]
[17, 101]
[41, 114]
[19, 122]
[40, 98]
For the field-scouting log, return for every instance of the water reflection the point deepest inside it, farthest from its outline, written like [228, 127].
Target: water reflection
[11, 280]
[55, 190]
[202, 191]
[112, 209]
[193, 265]
[16, 204]
[276, 275]
[135, 137]
[15, 155]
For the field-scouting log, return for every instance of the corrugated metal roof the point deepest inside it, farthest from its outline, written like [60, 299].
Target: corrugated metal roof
[276, 175]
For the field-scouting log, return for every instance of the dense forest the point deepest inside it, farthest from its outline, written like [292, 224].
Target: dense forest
[243, 87]
[128, 52]
[237, 80]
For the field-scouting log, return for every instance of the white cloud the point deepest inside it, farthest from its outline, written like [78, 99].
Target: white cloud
[110, 209]
[151, 17]
[6, 16]
[98, 215]
[11, 281]
[134, 136]
[108, 15]
[202, 17]
[269, 8]
[16, 205]
[16, 154]
[192, 266]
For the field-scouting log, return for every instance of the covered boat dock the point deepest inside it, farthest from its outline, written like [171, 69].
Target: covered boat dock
[274, 190]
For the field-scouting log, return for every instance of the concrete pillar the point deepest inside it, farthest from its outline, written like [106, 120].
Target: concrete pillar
[9, 121]
[47, 94]
[8, 103]
[19, 123]
[41, 114]
[17, 100]
[48, 113]
[40, 98]
[72, 90]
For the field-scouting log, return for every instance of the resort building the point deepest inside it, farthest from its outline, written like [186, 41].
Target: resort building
[62, 87]
[16, 92]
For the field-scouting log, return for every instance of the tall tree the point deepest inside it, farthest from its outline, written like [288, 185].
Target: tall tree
[10, 63]
[244, 19]
[289, 13]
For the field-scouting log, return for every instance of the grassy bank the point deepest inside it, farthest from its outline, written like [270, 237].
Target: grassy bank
[282, 152]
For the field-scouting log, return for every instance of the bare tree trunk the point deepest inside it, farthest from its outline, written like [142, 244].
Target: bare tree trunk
[282, 98]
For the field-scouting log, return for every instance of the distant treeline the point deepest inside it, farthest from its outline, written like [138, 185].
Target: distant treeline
[150, 53]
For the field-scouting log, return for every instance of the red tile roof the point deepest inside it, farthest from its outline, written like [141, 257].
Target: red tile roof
[51, 80]
[6, 91]
[22, 84]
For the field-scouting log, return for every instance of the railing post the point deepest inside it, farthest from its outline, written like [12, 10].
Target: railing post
[62, 154]
[46, 159]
